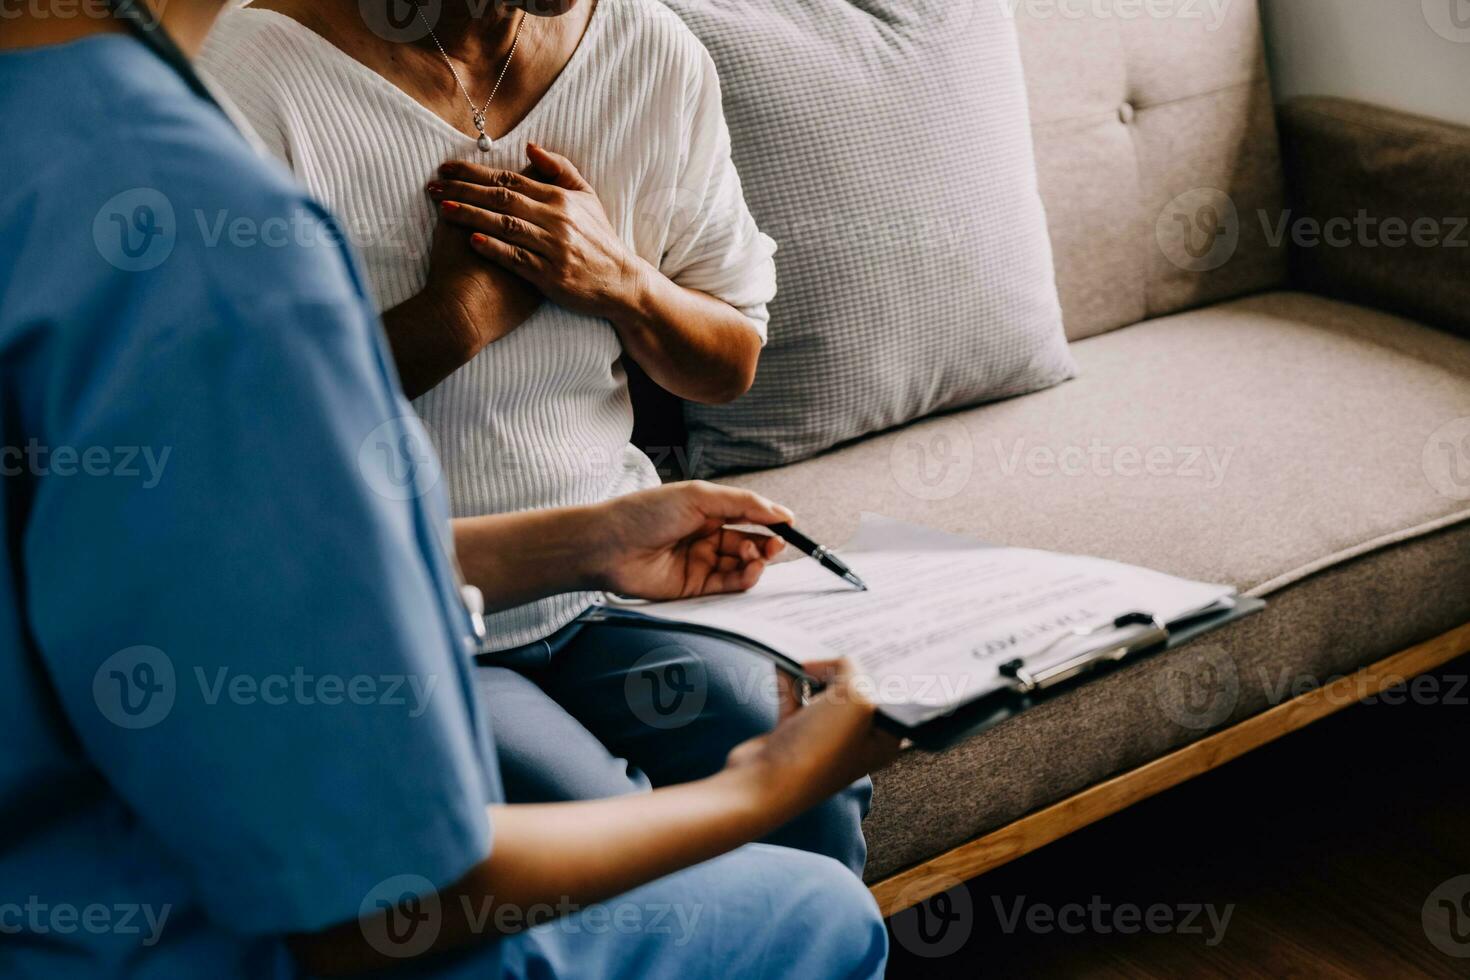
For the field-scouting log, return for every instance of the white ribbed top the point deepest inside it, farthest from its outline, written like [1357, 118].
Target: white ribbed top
[541, 418]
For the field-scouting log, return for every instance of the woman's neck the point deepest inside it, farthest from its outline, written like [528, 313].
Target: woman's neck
[475, 31]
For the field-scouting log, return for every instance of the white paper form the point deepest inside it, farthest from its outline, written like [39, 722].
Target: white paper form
[942, 612]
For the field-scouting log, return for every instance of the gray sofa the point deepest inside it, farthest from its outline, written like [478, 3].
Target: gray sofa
[1252, 409]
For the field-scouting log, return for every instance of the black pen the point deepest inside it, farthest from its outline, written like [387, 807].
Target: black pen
[821, 553]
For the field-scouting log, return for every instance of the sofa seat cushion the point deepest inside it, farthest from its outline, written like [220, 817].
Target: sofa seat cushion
[1300, 448]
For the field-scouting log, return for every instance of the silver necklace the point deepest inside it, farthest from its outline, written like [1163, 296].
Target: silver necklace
[484, 142]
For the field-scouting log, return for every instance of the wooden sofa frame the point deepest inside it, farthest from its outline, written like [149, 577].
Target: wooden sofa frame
[1036, 830]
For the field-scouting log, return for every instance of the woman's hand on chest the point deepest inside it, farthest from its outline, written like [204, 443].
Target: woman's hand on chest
[480, 299]
[546, 227]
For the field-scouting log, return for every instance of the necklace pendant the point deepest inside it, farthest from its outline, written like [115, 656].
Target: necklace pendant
[484, 143]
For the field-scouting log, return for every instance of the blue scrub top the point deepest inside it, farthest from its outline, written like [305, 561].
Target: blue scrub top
[232, 682]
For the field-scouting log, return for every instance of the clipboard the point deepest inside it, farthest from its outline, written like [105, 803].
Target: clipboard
[1140, 636]
[989, 710]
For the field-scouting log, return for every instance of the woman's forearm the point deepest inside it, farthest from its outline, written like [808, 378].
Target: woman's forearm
[574, 854]
[518, 558]
[430, 340]
[690, 343]
[549, 860]
[433, 334]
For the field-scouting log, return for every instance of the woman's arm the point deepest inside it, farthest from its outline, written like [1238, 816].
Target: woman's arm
[561, 857]
[665, 543]
[554, 233]
[466, 305]
[692, 344]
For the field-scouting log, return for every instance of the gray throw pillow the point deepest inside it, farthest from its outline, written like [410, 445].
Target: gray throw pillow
[886, 146]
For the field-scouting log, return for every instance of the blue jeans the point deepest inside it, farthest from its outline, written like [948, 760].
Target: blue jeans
[760, 911]
[598, 711]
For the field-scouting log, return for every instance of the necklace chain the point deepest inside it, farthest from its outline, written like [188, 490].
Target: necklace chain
[478, 114]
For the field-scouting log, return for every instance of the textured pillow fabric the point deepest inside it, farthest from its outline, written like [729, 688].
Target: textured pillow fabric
[886, 146]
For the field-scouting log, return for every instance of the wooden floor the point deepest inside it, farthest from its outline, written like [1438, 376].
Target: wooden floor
[1323, 850]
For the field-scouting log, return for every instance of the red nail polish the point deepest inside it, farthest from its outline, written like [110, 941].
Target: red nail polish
[447, 205]
[479, 239]
[436, 188]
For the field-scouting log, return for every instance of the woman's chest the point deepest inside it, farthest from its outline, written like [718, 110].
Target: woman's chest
[374, 177]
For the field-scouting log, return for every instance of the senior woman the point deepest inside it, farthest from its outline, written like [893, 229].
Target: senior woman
[540, 190]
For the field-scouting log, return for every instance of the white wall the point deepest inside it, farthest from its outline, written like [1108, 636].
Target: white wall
[1412, 55]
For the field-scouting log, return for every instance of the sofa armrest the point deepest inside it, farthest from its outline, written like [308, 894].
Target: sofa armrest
[1381, 208]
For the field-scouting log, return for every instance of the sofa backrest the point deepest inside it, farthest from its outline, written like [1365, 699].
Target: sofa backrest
[1157, 153]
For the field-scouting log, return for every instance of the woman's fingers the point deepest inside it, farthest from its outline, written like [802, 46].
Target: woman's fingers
[725, 561]
[790, 695]
[737, 506]
[476, 173]
[512, 230]
[729, 575]
[830, 671]
[502, 200]
[562, 171]
[523, 262]
[748, 547]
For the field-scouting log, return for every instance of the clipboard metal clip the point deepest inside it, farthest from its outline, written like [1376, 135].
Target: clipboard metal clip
[1029, 681]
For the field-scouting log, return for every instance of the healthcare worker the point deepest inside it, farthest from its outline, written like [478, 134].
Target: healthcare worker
[240, 740]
